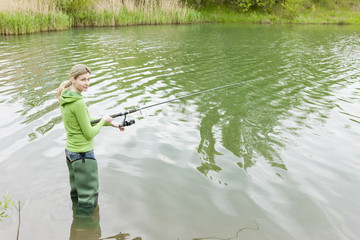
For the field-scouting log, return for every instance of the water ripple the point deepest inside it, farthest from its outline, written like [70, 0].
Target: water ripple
[274, 139]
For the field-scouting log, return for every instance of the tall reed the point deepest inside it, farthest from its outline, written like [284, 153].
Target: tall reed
[31, 16]
[134, 12]
[27, 5]
[25, 22]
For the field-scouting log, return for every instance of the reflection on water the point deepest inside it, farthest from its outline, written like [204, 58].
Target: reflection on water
[298, 81]
[88, 228]
[237, 234]
[122, 236]
[298, 85]
[295, 79]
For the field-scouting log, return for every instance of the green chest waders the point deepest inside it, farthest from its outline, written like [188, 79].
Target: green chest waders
[84, 184]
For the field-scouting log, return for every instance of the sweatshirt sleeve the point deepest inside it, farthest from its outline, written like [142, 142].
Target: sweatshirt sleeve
[105, 124]
[81, 113]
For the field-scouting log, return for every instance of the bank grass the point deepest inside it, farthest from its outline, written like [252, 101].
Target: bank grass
[45, 16]
[131, 12]
[319, 12]
[136, 16]
[335, 18]
[230, 16]
[30, 16]
[25, 22]
[291, 12]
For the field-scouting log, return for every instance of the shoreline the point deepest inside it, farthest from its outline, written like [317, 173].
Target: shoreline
[22, 22]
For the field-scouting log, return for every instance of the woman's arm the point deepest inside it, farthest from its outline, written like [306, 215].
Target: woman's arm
[81, 113]
[106, 124]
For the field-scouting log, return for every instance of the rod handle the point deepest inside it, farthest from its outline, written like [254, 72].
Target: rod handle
[115, 115]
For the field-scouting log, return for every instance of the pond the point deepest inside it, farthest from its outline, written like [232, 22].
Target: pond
[276, 157]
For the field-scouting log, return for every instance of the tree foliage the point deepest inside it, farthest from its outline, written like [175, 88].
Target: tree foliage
[290, 7]
[243, 5]
[246, 5]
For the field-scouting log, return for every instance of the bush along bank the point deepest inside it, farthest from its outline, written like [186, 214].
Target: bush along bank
[279, 11]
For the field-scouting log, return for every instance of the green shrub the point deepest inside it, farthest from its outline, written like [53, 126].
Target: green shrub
[246, 5]
[292, 8]
[73, 7]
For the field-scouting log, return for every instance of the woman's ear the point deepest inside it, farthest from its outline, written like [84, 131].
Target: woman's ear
[72, 80]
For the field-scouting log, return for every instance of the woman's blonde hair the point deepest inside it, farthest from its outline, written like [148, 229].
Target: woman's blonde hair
[74, 73]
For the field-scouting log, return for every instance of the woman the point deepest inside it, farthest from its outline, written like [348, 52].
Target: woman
[80, 158]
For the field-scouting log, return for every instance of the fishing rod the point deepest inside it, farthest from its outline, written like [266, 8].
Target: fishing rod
[128, 123]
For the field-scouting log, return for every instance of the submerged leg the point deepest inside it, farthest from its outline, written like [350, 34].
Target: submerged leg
[86, 227]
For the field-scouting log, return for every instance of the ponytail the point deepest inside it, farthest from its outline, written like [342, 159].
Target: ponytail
[74, 73]
[62, 88]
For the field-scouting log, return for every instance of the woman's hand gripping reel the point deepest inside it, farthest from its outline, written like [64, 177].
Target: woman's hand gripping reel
[126, 123]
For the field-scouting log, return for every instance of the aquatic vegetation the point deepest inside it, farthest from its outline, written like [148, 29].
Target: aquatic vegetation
[5, 204]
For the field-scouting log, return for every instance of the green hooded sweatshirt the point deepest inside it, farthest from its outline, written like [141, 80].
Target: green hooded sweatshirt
[80, 133]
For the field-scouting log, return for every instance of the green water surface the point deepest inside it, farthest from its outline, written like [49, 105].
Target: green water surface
[276, 157]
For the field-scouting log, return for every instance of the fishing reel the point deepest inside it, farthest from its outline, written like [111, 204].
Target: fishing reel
[127, 123]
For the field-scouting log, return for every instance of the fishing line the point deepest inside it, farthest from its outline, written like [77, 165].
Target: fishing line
[256, 227]
[125, 123]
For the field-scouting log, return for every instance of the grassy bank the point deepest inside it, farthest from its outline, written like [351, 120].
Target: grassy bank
[293, 12]
[30, 16]
[131, 12]
[24, 22]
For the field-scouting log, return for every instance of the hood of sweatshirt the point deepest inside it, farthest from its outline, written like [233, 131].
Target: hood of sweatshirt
[69, 96]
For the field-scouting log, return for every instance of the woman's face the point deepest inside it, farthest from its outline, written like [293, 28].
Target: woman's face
[81, 83]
